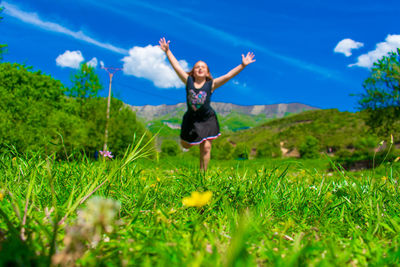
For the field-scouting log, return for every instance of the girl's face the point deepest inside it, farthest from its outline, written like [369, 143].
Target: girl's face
[200, 70]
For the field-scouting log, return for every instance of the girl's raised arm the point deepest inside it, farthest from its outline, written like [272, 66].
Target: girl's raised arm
[164, 45]
[246, 60]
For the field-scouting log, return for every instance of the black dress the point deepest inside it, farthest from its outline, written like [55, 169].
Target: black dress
[200, 121]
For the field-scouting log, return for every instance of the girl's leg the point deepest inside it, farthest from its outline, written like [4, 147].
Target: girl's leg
[205, 153]
[185, 144]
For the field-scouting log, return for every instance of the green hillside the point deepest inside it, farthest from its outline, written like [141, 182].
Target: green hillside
[334, 131]
[232, 122]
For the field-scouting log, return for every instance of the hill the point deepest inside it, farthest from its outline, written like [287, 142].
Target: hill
[167, 118]
[334, 131]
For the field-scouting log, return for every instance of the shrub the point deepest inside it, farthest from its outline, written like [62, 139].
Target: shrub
[268, 150]
[241, 151]
[222, 150]
[309, 148]
[170, 148]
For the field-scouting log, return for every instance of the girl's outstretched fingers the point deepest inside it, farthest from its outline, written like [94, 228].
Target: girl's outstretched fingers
[164, 45]
[249, 58]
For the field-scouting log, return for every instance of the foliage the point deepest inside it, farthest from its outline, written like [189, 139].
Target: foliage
[35, 115]
[368, 154]
[222, 150]
[170, 148]
[335, 131]
[29, 102]
[268, 213]
[269, 150]
[381, 99]
[309, 149]
[241, 151]
[86, 83]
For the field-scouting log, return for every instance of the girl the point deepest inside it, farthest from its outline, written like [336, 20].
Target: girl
[200, 125]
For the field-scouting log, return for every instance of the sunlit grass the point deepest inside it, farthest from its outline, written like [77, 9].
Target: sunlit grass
[264, 212]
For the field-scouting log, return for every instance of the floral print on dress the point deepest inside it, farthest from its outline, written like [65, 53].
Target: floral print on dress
[197, 100]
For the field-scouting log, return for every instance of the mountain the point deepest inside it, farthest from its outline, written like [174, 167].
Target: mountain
[149, 112]
[166, 119]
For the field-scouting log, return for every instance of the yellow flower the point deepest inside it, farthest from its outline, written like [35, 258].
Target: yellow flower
[158, 179]
[197, 199]
[1, 196]
[328, 195]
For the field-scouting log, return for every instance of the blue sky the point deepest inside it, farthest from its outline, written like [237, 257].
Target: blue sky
[312, 52]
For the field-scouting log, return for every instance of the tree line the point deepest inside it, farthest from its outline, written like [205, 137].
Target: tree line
[39, 113]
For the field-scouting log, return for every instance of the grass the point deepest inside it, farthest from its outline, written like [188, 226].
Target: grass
[262, 212]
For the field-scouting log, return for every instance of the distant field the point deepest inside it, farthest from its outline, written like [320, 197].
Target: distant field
[261, 213]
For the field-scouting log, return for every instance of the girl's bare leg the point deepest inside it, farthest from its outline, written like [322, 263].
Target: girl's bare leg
[205, 153]
[185, 144]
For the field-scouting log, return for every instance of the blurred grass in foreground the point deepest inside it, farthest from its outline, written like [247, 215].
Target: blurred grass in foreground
[275, 212]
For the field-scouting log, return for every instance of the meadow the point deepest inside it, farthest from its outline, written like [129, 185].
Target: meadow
[135, 211]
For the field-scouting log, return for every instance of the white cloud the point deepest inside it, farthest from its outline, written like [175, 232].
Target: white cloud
[392, 42]
[346, 45]
[240, 86]
[150, 63]
[34, 19]
[70, 59]
[101, 64]
[93, 62]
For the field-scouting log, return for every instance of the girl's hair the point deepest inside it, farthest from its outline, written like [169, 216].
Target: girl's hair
[209, 76]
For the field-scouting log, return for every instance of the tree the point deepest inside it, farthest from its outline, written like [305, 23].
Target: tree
[381, 99]
[86, 83]
[309, 148]
[36, 115]
[27, 101]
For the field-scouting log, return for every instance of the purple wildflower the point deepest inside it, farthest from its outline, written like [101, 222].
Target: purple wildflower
[106, 154]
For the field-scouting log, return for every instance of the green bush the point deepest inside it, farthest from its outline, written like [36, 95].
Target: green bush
[309, 148]
[36, 115]
[269, 150]
[366, 143]
[241, 151]
[170, 148]
[222, 150]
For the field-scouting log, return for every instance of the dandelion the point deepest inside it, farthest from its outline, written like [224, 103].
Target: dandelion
[197, 199]
[93, 222]
[99, 211]
[1, 196]
[106, 154]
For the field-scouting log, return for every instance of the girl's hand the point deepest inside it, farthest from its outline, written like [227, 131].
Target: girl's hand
[164, 45]
[249, 58]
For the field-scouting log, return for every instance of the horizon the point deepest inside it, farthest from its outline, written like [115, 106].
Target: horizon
[219, 102]
[314, 53]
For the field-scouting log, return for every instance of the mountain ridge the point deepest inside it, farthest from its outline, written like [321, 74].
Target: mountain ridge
[151, 112]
